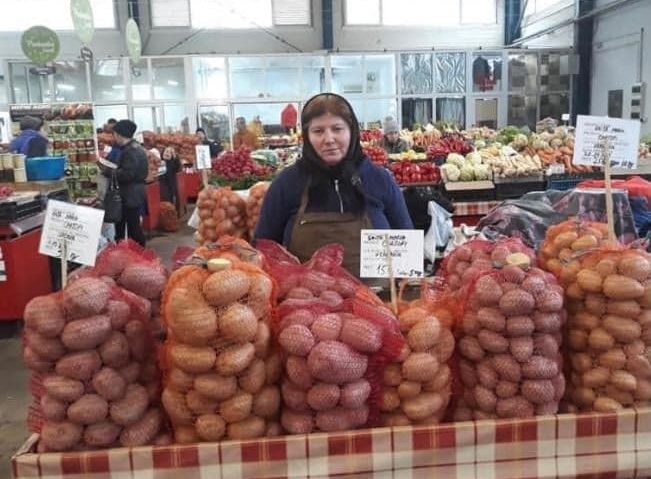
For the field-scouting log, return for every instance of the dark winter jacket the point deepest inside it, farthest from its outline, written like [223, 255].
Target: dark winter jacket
[30, 143]
[385, 205]
[400, 146]
[131, 174]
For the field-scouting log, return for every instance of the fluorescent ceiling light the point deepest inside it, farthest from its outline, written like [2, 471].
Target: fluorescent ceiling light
[172, 83]
[65, 87]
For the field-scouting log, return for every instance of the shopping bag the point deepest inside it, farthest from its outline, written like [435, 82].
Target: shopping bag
[113, 202]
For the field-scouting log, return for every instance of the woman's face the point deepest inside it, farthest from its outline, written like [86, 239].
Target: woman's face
[168, 154]
[330, 136]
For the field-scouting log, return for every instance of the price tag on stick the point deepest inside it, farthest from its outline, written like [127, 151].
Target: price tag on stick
[71, 232]
[203, 161]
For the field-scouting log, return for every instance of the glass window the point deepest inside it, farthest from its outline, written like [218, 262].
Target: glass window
[313, 75]
[416, 73]
[140, 83]
[170, 13]
[291, 12]
[346, 74]
[451, 110]
[283, 76]
[486, 72]
[103, 112]
[358, 108]
[380, 74]
[523, 72]
[70, 82]
[216, 122]
[148, 118]
[228, 14]
[168, 78]
[416, 111]
[450, 71]
[269, 114]
[478, 11]
[522, 111]
[54, 14]
[108, 81]
[362, 12]
[247, 77]
[176, 119]
[486, 112]
[28, 87]
[377, 110]
[3, 90]
[553, 105]
[554, 72]
[210, 77]
[420, 12]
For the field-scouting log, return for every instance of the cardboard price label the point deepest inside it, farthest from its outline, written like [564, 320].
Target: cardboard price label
[384, 250]
[598, 137]
[79, 227]
[203, 157]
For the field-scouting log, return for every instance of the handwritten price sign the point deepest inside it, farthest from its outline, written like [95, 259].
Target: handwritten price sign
[598, 137]
[405, 248]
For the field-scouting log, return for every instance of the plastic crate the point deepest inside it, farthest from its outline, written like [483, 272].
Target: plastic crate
[569, 182]
[11, 211]
[513, 188]
[469, 191]
[46, 168]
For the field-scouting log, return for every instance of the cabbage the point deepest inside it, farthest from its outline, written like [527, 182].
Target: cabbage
[451, 171]
[474, 158]
[479, 144]
[467, 173]
[456, 159]
[481, 172]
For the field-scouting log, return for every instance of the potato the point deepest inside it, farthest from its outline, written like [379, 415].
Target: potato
[36, 363]
[613, 359]
[109, 384]
[522, 348]
[131, 407]
[303, 317]
[354, 395]
[420, 367]
[516, 302]
[514, 407]
[600, 340]
[589, 280]
[595, 377]
[492, 342]
[88, 409]
[250, 428]
[115, 350]
[622, 329]
[50, 349]
[623, 380]
[422, 406]
[470, 348]
[622, 287]
[86, 333]
[176, 407]
[210, 427]
[390, 399]
[506, 389]
[547, 322]
[79, 365]
[361, 335]
[639, 366]
[519, 325]
[581, 362]
[336, 362]
[238, 323]
[468, 373]
[296, 339]
[441, 380]
[395, 420]
[185, 435]
[538, 391]
[583, 397]
[261, 340]
[585, 321]
[190, 318]
[119, 312]
[486, 375]
[274, 367]
[445, 347]
[634, 266]
[62, 388]
[130, 372]
[266, 403]
[627, 309]
[138, 339]
[298, 372]
[143, 431]
[44, 314]
[60, 436]
[213, 386]
[235, 359]
[488, 291]
[507, 367]
[484, 398]
[200, 404]
[491, 319]
[52, 408]
[85, 297]
[337, 419]
[606, 404]
[595, 304]
[191, 359]
[236, 408]
[643, 391]
[225, 287]
[296, 422]
[102, 434]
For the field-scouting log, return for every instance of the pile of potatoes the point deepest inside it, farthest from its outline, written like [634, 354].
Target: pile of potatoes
[609, 331]
[509, 344]
[221, 212]
[220, 374]
[417, 386]
[254, 205]
[92, 351]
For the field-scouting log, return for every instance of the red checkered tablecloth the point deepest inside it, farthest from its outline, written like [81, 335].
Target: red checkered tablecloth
[474, 208]
[564, 446]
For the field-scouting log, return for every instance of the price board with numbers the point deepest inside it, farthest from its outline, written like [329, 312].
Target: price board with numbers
[399, 251]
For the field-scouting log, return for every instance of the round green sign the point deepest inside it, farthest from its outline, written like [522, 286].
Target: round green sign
[82, 18]
[40, 44]
[132, 36]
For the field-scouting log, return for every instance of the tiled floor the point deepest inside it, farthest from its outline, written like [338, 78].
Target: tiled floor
[14, 396]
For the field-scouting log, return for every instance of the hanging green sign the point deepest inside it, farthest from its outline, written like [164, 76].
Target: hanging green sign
[40, 44]
[132, 36]
[82, 18]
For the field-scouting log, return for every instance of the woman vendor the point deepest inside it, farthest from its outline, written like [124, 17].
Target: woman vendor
[333, 191]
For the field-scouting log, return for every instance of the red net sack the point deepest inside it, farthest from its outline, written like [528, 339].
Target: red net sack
[95, 381]
[221, 212]
[609, 331]
[508, 341]
[418, 384]
[336, 338]
[254, 205]
[220, 372]
[467, 261]
[169, 218]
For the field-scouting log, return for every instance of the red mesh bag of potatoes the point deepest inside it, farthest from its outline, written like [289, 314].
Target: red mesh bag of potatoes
[221, 212]
[469, 260]
[417, 385]
[220, 372]
[609, 331]
[169, 218]
[336, 338]
[509, 341]
[254, 205]
[95, 380]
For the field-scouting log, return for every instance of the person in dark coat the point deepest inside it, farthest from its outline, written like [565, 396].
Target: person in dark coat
[215, 147]
[131, 173]
[168, 186]
[32, 140]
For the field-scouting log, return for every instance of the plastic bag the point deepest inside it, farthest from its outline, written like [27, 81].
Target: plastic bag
[439, 232]
[220, 372]
[336, 338]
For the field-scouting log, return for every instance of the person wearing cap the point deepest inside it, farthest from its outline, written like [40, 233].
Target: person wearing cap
[131, 173]
[333, 191]
[32, 140]
[392, 143]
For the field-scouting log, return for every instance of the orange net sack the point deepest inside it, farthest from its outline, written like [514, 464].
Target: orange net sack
[95, 382]
[220, 372]
[609, 330]
[254, 205]
[336, 338]
[221, 212]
